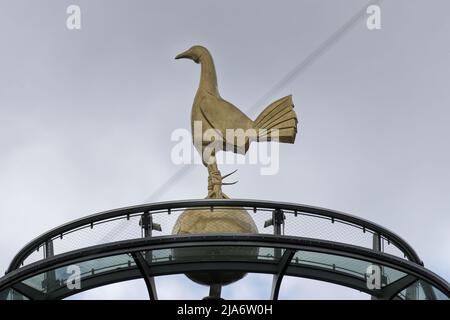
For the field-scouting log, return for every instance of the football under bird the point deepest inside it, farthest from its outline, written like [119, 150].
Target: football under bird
[277, 121]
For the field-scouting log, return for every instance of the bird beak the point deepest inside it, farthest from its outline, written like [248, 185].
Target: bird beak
[184, 55]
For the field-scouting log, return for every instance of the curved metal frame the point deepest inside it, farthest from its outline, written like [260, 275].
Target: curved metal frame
[291, 244]
[407, 250]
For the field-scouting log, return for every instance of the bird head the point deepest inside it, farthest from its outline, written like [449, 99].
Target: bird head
[194, 53]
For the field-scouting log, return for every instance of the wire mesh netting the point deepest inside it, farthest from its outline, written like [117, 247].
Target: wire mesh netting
[210, 220]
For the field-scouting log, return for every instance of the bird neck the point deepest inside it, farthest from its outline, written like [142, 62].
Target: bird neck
[208, 79]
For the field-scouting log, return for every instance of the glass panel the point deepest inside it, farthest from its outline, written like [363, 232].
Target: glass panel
[215, 253]
[48, 282]
[52, 280]
[11, 294]
[421, 290]
[439, 294]
[354, 267]
[36, 282]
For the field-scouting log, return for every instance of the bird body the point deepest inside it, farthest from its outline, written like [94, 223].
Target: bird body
[216, 113]
[277, 121]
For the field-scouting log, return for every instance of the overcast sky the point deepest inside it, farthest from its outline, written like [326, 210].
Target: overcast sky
[86, 115]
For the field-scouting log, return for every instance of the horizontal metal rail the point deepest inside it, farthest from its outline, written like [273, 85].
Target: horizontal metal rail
[255, 205]
[412, 270]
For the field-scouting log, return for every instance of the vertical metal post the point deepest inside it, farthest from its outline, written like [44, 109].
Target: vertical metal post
[376, 242]
[377, 246]
[277, 222]
[50, 276]
[148, 226]
[215, 291]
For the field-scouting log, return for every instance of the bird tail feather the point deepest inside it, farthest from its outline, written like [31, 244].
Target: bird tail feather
[278, 117]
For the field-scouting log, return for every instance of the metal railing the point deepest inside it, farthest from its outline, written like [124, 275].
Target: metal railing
[287, 219]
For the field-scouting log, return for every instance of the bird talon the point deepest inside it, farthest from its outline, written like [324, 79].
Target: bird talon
[226, 176]
[229, 183]
[229, 174]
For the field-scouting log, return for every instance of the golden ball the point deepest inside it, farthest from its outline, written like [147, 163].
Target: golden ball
[220, 220]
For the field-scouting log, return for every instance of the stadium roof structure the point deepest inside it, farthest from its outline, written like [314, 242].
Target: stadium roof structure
[293, 240]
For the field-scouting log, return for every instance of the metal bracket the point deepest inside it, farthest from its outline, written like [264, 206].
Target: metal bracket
[148, 225]
[277, 221]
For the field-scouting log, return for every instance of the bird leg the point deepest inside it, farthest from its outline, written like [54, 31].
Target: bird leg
[215, 182]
